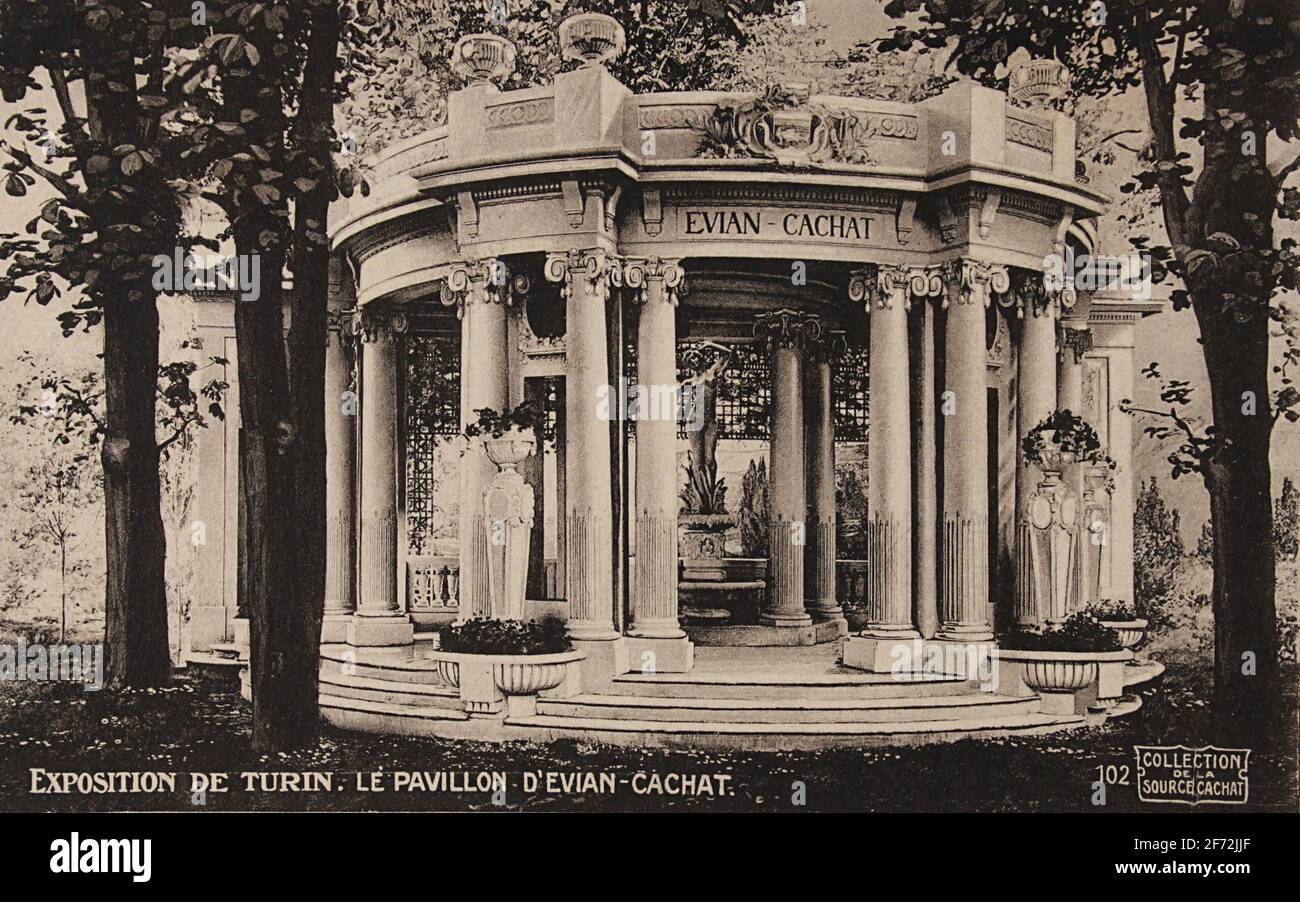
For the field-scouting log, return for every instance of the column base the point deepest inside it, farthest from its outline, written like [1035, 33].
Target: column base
[605, 659]
[365, 631]
[919, 658]
[660, 655]
[782, 619]
[334, 628]
[964, 632]
[881, 654]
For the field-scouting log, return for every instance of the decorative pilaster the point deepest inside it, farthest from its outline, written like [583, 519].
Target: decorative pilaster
[819, 457]
[480, 290]
[340, 475]
[786, 333]
[965, 543]
[1035, 401]
[378, 619]
[588, 511]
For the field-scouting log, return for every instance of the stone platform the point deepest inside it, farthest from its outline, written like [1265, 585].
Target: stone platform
[735, 698]
[759, 636]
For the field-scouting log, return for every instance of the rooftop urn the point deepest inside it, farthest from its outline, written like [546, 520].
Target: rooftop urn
[483, 58]
[1039, 83]
[592, 38]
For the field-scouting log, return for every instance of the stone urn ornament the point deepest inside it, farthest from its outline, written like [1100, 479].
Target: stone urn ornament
[483, 58]
[593, 39]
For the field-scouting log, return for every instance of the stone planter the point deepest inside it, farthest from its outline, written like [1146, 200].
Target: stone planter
[1066, 681]
[510, 450]
[1130, 631]
[491, 685]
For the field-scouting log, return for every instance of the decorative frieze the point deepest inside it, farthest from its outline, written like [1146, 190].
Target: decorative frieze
[1030, 134]
[521, 112]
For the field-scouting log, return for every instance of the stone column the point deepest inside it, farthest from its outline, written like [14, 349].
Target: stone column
[1075, 341]
[656, 639]
[889, 472]
[340, 478]
[965, 546]
[1036, 382]
[925, 513]
[786, 332]
[480, 290]
[819, 456]
[379, 619]
[588, 509]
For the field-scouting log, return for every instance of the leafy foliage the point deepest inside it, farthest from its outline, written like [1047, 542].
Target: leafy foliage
[1081, 631]
[490, 636]
[1066, 433]
[753, 510]
[1157, 552]
[1286, 521]
[493, 423]
[1112, 610]
[704, 493]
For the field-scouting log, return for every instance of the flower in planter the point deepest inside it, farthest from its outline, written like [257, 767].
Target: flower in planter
[492, 423]
[1063, 437]
[492, 636]
[1117, 610]
[1081, 631]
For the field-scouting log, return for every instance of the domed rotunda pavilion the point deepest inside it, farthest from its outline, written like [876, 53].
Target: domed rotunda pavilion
[874, 270]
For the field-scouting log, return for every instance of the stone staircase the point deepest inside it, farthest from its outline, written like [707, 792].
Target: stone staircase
[771, 708]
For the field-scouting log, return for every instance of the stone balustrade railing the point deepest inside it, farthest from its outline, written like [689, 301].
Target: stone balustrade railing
[433, 582]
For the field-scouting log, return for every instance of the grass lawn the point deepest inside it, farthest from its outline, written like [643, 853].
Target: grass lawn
[195, 727]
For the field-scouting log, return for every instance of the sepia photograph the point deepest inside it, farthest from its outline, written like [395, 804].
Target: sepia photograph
[880, 407]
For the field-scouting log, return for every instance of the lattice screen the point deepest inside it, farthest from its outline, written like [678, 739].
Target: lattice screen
[432, 413]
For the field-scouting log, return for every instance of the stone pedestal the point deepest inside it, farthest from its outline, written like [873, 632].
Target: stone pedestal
[1035, 401]
[378, 619]
[507, 526]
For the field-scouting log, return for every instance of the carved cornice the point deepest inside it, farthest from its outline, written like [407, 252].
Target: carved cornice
[1020, 130]
[788, 329]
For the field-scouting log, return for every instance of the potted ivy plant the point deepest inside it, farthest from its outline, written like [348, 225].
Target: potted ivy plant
[1064, 657]
[1061, 439]
[1121, 617]
[508, 435]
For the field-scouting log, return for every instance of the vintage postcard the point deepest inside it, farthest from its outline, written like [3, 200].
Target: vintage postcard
[705, 406]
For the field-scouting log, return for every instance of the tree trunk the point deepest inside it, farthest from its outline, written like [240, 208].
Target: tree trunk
[1239, 481]
[135, 596]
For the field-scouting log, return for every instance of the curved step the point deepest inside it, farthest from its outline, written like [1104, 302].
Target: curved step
[389, 691]
[789, 710]
[787, 736]
[396, 666]
[776, 685]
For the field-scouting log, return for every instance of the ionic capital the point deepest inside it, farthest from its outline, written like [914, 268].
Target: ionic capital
[788, 329]
[375, 324]
[969, 281]
[651, 279]
[487, 281]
